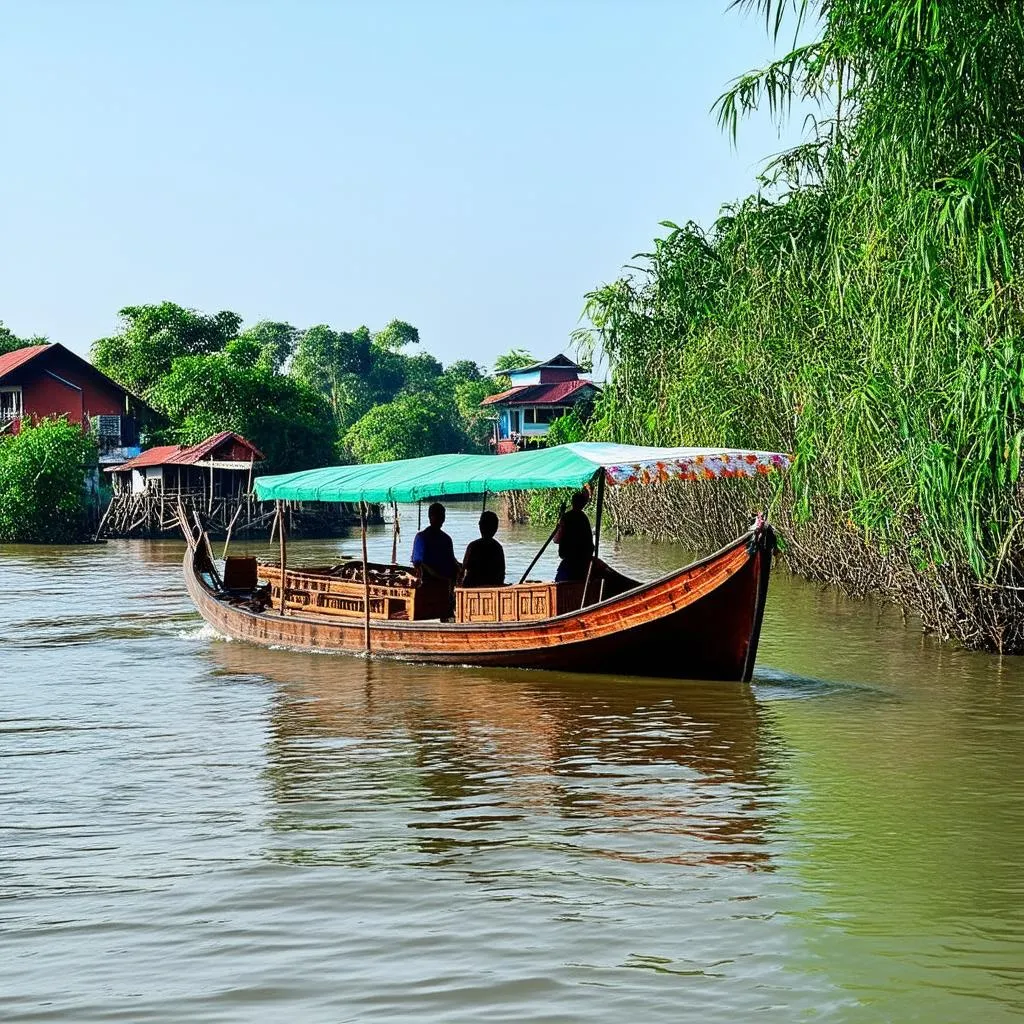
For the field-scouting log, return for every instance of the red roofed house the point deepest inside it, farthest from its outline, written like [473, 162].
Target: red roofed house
[51, 381]
[539, 395]
[219, 467]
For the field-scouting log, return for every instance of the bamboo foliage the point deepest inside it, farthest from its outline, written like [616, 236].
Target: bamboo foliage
[862, 310]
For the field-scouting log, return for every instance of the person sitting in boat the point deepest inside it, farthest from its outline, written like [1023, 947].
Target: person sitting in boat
[575, 541]
[433, 555]
[484, 561]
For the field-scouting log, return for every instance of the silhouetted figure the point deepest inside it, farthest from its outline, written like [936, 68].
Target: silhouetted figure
[575, 541]
[484, 561]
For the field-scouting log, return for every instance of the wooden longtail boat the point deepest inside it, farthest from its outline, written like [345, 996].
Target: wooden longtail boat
[699, 622]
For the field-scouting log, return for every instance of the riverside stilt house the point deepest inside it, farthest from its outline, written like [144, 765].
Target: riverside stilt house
[539, 395]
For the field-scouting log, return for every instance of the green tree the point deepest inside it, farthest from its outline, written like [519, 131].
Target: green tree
[152, 337]
[336, 364]
[236, 390]
[408, 427]
[396, 335]
[277, 341]
[42, 483]
[421, 372]
[464, 370]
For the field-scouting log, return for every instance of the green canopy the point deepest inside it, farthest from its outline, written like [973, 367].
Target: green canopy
[567, 465]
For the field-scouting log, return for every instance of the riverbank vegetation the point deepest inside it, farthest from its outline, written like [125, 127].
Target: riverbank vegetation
[43, 484]
[305, 397]
[863, 310]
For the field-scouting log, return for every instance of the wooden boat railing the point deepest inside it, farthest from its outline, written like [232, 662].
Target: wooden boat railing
[339, 591]
[395, 594]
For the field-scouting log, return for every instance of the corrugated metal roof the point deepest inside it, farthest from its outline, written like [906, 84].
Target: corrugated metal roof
[12, 360]
[179, 455]
[158, 456]
[540, 394]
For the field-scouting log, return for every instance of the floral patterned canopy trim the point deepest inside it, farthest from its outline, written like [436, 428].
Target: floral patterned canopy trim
[710, 465]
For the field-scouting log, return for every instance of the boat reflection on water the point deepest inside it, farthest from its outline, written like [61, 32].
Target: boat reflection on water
[383, 760]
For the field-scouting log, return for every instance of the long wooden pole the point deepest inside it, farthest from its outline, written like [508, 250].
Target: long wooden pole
[536, 557]
[597, 536]
[366, 580]
[600, 509]
[284, 552]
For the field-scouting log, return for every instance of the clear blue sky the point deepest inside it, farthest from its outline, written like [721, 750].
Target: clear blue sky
[471, 167]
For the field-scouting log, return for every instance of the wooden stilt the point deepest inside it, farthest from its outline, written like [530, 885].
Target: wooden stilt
[103, 521]
[366, 580]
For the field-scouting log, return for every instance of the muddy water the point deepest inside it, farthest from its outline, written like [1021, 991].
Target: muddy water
[196, 829]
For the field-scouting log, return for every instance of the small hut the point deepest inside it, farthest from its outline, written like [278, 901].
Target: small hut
[219, 467]
[213, 478]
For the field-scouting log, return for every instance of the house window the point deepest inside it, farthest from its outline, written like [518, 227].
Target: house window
[10, 404]
[544, 414]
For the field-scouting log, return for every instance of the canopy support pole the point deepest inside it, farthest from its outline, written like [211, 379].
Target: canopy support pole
[597, 537]
[394, 534]
[366, 580]
[284, 553]
[483, 507]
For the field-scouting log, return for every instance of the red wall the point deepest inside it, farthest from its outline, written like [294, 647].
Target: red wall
[42, 395]
[556, 374]
[231, 451]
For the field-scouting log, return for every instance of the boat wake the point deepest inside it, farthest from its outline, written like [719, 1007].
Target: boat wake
[205, 632]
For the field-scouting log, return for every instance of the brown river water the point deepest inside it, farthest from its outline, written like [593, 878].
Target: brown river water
[193, 829]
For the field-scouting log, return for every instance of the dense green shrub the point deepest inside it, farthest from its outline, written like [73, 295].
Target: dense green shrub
[42, 483]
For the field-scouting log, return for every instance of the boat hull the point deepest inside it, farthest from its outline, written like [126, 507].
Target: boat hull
[701, 622]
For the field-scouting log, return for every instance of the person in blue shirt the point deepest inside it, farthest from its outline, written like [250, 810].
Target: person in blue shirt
[433, 556]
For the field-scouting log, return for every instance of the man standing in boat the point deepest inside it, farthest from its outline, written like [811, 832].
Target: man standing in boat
[575, 541]
[433, 555]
